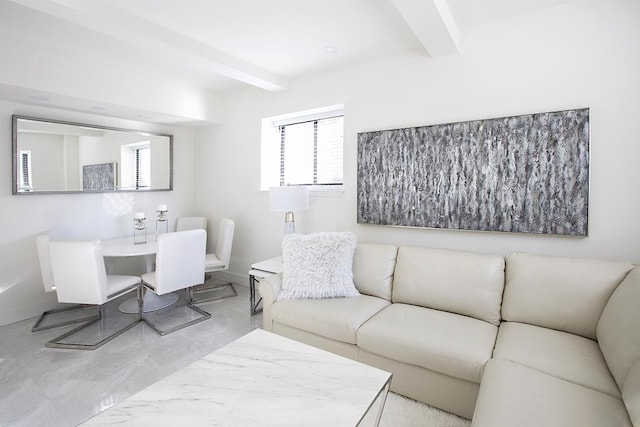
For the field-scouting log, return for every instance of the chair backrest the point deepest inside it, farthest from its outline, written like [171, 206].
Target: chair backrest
[42, 245]
[184, 223]
[79, 272]
[180, 260]
[225, 240]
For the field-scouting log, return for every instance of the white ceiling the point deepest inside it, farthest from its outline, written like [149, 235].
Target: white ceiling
[221, 45]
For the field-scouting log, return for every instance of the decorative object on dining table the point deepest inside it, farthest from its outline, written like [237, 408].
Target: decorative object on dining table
[139, 228]
[288, 199]
[162, 223]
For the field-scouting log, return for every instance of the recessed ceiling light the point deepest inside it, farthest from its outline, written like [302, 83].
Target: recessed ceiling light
[330, 49]
[40, 98]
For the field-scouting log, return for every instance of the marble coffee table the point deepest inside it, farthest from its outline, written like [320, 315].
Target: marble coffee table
[261, 379]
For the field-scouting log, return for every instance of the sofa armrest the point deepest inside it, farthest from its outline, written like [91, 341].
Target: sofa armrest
[269, 289]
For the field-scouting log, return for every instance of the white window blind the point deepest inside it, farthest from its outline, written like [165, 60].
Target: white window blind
[311, 152]
[143, 167]
[24, 171]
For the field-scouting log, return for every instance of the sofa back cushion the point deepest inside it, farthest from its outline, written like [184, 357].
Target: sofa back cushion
[373, 267]
[562, 293]
[455, 281]
[618, 330]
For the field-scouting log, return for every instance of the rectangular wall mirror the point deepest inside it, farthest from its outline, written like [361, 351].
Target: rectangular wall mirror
[62, 157]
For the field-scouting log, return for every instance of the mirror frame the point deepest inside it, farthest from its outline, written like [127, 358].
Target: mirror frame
[14, 152]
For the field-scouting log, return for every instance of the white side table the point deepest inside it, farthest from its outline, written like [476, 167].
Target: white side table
[259, 271]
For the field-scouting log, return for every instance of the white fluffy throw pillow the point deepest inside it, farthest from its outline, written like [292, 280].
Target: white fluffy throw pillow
[318, 265]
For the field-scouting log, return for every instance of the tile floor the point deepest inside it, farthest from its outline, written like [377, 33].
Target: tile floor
[42, 386]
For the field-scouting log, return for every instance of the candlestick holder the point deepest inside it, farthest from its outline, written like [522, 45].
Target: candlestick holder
[139, 230]
[162, 223]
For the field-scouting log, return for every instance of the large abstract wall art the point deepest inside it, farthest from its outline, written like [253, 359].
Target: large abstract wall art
[522, 174]
[99, 177]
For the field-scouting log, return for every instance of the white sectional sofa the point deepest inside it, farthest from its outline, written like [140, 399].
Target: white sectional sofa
[522, 340]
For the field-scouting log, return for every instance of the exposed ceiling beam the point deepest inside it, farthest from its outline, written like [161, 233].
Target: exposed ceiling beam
[107, 19]
[433, 24]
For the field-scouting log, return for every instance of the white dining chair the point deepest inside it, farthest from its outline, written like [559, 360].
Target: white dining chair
[42, 246]
[179, 265]
[184, 223]
[216, 262]
[80, 277]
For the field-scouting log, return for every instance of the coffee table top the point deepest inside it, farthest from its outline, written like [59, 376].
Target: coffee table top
[259, 379]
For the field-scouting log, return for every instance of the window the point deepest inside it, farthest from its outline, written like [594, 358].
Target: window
[135, 166]
[304, 148]
[24, 171]
[143, 169]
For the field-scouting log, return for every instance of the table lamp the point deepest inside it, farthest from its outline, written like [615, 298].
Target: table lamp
[288, 199]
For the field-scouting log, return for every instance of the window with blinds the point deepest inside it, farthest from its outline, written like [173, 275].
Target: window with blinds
[24, 171]
[303, 148]
[311, 152]
[143, 167]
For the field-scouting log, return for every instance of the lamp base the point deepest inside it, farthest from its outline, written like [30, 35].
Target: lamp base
[289, 224]
[289, 227]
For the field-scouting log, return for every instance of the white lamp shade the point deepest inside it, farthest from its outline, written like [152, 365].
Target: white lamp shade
[287, 199]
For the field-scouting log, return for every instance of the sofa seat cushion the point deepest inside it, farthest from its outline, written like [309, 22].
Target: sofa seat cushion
[570, 357]
[515, 395]
[452, 344]
[334, 318]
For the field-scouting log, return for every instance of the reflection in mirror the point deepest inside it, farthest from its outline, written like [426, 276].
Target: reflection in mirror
[56, 157]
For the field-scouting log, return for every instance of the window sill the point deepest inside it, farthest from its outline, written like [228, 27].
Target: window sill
[322, 190]
[326, 190]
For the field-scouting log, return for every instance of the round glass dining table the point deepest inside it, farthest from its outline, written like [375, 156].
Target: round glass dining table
[124, 247]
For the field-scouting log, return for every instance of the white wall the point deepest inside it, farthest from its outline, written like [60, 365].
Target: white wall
[160, 157]
[81, 216]
[47, 159]
[55, 70]
[581, 54]
[70, 154]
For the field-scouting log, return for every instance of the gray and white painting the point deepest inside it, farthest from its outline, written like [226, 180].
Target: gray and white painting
[523, 174]
[99, 177]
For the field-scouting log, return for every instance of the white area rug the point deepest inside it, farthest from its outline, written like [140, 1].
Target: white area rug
[400, 411]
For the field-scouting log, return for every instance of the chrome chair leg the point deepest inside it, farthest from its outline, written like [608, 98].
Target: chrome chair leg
[201, 289]
[189, 295]
[57, 342]
[140, 301]
[189, 304]
[37, 327]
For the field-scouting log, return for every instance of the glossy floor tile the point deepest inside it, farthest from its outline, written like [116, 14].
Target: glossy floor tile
[42, 386]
